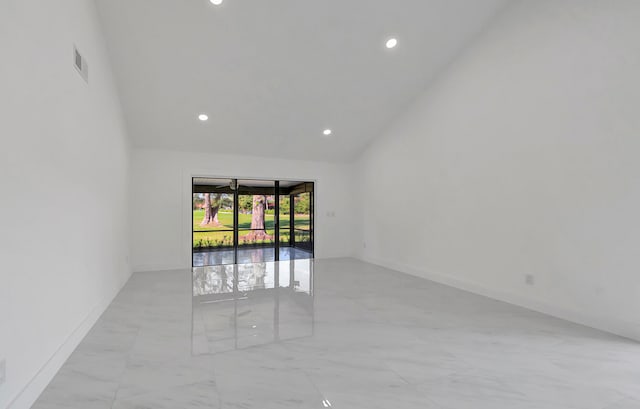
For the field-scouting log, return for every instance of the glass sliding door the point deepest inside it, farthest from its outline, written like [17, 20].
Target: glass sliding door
[256, 221]
[213, 222]
[237, 221]
[302, 202]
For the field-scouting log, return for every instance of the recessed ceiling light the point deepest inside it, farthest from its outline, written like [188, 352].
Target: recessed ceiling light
[216, 2]
[392, 43]
[327, 132]
[203, 117]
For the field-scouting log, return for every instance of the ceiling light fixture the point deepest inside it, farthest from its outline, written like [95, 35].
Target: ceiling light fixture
[203, 117]
[392, 43]
[327, 132]
[216, 2]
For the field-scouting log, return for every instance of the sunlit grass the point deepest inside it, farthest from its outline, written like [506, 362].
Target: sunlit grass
[210, 236]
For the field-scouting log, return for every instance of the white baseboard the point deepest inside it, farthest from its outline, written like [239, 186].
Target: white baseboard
[30, 393]
[144, 268]
[614, 326]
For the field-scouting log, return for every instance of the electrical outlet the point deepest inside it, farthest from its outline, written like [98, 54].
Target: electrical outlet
[529, 279]
[364, 244]
[3, 371]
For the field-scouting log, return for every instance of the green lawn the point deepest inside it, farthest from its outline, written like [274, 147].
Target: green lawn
[204, 237]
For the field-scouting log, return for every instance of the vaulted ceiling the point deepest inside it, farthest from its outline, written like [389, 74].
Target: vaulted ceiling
[272, 75]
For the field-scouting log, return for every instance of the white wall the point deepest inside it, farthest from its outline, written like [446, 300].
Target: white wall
[64, 169]
[161, 190]
[523, 159]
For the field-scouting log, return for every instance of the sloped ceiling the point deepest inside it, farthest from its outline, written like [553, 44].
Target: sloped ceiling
[272, 75]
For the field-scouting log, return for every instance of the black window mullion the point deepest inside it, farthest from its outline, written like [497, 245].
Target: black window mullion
[235, 221]
[276, 220]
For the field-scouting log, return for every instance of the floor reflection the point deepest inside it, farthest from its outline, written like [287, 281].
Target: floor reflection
[209, 339]
[267, 254]
[245, 305]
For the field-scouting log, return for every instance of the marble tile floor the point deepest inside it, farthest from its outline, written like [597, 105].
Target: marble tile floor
[334, 333]
[266, 254]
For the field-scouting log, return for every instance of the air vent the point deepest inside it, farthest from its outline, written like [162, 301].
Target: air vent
[81, 64]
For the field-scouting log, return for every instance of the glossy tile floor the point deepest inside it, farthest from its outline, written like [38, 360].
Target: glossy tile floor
[334, 333]
[215, 257]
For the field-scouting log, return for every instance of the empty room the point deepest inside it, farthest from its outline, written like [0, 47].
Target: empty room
[349, 204]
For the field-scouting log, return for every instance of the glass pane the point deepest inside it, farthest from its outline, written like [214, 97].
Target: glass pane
[256, 221]
[212, 222]
[302, 235]
[285, 231]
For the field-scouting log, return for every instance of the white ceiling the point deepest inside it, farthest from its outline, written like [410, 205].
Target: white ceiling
[272, 75]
